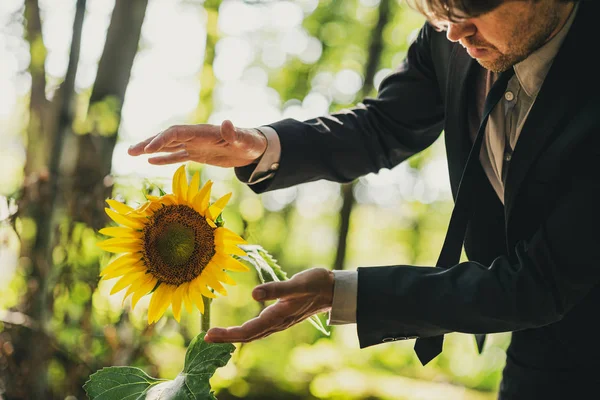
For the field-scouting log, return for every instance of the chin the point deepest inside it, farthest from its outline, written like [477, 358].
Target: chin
[495, 65]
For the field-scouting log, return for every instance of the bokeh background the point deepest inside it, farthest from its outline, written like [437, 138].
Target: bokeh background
[81, 80]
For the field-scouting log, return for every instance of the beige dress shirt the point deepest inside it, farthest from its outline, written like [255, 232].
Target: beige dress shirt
[503, 128]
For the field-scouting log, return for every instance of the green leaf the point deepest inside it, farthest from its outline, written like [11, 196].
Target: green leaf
[128, 383]
[269, 271]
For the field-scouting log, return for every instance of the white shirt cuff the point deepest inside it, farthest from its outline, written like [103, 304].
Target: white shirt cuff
[269, 161]
[345, 289]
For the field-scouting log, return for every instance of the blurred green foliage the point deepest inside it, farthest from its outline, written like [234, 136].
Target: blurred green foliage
[391, 223]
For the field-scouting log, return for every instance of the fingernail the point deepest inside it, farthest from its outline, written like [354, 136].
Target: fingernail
[259, 294]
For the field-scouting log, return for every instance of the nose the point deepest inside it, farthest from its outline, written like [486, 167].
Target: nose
[458, 30]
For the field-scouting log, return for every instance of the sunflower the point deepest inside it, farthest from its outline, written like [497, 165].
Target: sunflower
[175, 247]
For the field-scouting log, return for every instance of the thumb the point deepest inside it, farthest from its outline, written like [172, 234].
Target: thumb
[229, 133]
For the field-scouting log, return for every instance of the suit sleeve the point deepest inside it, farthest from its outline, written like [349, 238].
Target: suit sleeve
[405, 118]
[552, 272]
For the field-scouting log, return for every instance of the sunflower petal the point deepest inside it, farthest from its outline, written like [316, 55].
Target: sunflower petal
[186, 297]
[121, 245]
[135, 286]
[149, 197]
[117, 263]
[229, 248]
[120, 232]
[199, 284]
[220, 274]
[176, 303]
[229, 263]
[218, 206]
[211, 223]
[161, 299]
[196, 297]
[224, 235]
[146, 209]
[142, 291]
[126, 269]
[125, 281]
[200, 201]
[119, 207]
[168, 200]
[193, 188]
[213, 282]
[123, 220]
[180, 184]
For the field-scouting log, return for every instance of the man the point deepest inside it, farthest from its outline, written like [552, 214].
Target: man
[513, 86]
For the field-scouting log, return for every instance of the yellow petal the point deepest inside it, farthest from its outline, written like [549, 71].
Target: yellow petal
[135, 285]
[149, 197]
[123, 220]
[125, 281]
[161, 299]
[212, 281]
[220, 274]
[229, 248]
[199, 285]
[180, 184]
[126, 269]
[146, 209]
[211, 223]
[168, 200]
[186, 297]
[118, 206]
[229, 263]
[200, 201]
[120, 232]
[177, 299]
[218, 206]
[143, 290]
[121, 245]
[193, 188]
[196, 297]
[223, 235]
[124, 260]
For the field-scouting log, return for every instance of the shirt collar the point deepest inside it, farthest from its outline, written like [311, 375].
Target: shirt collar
[532, 71]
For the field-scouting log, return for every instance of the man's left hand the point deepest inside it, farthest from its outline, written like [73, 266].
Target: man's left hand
[307, 293]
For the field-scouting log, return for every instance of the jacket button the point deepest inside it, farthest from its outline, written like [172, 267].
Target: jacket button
[388, 339]
[401, 338]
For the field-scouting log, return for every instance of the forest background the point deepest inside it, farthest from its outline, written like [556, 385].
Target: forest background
[81, 80]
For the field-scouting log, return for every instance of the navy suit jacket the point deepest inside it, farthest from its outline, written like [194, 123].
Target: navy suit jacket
[533, 269]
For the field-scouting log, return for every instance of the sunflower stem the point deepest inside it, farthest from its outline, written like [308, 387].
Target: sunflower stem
[205, 320]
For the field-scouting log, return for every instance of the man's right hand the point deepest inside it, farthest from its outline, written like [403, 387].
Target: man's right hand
[223, 146]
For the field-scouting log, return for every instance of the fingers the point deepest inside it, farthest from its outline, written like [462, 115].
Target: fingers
[276, 290]
[164, 139]
[176, 157]
[138, 148]
[274, 318]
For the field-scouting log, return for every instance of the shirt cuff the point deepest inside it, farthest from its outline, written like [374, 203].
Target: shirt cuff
[269, 161]
[345, 289]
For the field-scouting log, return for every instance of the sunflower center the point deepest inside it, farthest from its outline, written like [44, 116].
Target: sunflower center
[178, 244]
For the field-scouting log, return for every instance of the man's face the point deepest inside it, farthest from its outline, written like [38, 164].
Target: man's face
[508, 34]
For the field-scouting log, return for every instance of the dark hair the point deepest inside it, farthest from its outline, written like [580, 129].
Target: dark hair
[454, 10]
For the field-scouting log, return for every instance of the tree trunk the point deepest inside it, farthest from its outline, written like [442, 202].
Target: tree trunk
[375, 50]
[89, 173]
[32, 346]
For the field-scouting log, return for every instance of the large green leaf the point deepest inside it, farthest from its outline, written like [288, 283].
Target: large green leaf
[269, 271]
[128, 383]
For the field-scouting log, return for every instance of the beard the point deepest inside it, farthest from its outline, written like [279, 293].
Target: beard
[524, 42]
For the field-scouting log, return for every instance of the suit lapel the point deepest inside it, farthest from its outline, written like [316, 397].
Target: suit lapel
[558, 99]
[457, 142]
